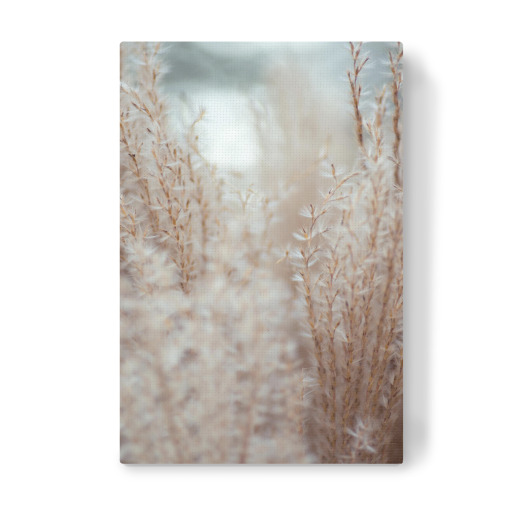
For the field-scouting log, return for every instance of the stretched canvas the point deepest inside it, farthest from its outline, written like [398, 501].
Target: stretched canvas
[261, 253]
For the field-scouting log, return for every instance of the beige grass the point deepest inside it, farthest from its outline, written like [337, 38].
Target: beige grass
[223, 360]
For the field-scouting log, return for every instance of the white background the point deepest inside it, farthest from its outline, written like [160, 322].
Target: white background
[59, 258]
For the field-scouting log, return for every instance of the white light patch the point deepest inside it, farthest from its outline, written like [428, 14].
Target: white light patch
[227, 132]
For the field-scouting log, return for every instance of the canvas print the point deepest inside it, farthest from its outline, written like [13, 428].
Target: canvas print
[261, 260]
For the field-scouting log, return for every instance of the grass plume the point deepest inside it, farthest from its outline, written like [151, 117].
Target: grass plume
[225, 357]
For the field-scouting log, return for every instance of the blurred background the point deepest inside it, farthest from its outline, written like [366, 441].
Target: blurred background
[266, 102]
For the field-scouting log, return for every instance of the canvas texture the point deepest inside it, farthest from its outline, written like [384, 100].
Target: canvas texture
[261, 253]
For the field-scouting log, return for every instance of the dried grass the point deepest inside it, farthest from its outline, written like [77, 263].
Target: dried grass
[215, 340]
